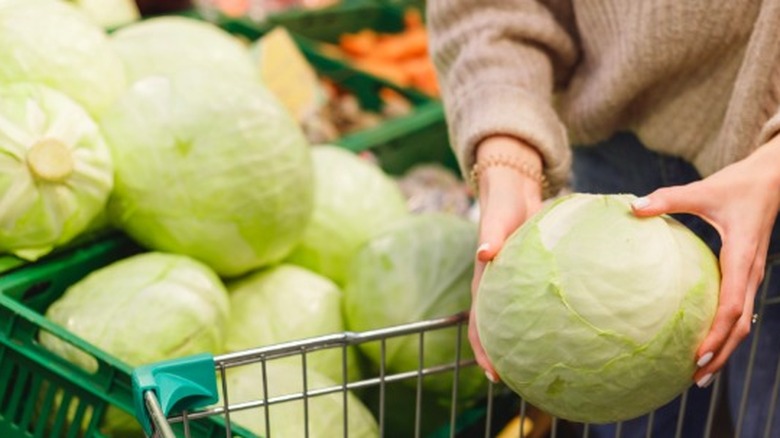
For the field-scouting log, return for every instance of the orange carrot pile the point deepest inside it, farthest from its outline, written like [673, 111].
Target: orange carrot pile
[399, 57]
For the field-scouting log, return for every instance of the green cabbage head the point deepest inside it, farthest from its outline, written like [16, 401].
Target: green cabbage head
[146, 308]
[595, 315]
[56, 171]
[418, 269]
[353, 200]
[211, 168]
[167, 44]
[288, 303]
[53, 43]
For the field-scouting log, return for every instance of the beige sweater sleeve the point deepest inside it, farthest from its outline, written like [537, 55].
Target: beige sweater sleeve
[498, 62]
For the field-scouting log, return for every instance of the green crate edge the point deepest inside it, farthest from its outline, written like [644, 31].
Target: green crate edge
[25, 293]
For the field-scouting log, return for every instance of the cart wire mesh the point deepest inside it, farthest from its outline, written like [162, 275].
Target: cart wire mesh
[498, 413]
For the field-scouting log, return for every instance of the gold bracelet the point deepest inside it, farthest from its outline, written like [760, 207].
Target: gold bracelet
[501, 160]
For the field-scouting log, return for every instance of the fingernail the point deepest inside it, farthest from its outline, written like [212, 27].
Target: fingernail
[640, 203]
[483, 248]
[704, 360]
[705, 380]
[490, 377]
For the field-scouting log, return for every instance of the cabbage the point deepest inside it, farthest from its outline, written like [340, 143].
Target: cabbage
[53, 43]
[353, 200]
[167, 44]
[55, 170]
[142, 309]
[419, 269]
[595, 315]
[287, 303]
[286, 419]
[210, 168]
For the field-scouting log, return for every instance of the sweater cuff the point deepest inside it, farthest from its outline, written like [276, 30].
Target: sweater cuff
[770, 129]
[492, 110]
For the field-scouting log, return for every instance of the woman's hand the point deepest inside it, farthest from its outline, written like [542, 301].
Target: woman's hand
[741, 202]
[507, 198]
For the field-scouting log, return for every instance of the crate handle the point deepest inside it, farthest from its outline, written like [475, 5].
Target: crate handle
[179, 384]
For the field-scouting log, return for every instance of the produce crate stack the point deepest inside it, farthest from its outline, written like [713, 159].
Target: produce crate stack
[64, 374]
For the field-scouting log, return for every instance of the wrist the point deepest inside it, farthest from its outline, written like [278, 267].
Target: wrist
[503, 155]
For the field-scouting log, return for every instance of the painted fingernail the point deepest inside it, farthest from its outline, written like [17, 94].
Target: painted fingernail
[640, 203]
[483, 248]
[705, 380]
[704, 360]
[490, 377]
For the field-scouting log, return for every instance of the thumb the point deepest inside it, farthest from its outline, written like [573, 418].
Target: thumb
[667, 200]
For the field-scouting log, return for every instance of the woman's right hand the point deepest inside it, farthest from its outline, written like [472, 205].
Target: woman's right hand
[507, 198]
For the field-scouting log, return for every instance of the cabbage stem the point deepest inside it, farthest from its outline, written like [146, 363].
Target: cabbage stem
[50, 160]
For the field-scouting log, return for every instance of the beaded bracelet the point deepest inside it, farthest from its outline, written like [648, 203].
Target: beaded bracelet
[501, 160]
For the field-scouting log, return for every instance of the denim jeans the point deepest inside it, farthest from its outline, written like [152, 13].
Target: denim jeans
[745, 392]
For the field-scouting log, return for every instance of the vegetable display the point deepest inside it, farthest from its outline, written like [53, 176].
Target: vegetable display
[593, 314]
[56, 171]
[214, 169]
[353, 201]
[246, 232]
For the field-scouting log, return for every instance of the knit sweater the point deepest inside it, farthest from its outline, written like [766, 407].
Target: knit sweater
[698, 79]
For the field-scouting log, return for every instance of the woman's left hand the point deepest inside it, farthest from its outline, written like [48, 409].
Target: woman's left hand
[741, 202]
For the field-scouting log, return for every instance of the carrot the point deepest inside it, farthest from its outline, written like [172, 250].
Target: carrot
[399, 57]
[407, 44]
[360, 43]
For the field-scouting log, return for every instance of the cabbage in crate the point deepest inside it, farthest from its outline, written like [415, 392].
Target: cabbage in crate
[142, 309]
[287, 303]
[353, 201]
[212, 168]
[595, 315]
[322, 416]
[55, 170]
[416, 270]
[52, 42]
[166, 44]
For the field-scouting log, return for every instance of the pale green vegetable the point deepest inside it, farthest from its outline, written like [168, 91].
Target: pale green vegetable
[419, 269]
[210, 168]
[593, 314]
[143, 309]
[353, 201]
[289, 303]
[56, 171]
[53, 43]
[167, 44]
[287, 419]
[109, 13]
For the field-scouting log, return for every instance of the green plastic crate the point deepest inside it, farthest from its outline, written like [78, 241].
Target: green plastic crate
[41, 394]
[399, 143]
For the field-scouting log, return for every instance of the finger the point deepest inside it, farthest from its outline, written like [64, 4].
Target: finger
[743, 326]
[704, 376]
[736, 260]
[479, 352]
[667, 200]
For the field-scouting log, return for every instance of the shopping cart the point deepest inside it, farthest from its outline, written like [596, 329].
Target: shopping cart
[177, 392]
[172, 395]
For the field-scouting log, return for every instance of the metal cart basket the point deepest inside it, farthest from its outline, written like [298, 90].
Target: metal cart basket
[173, 395]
